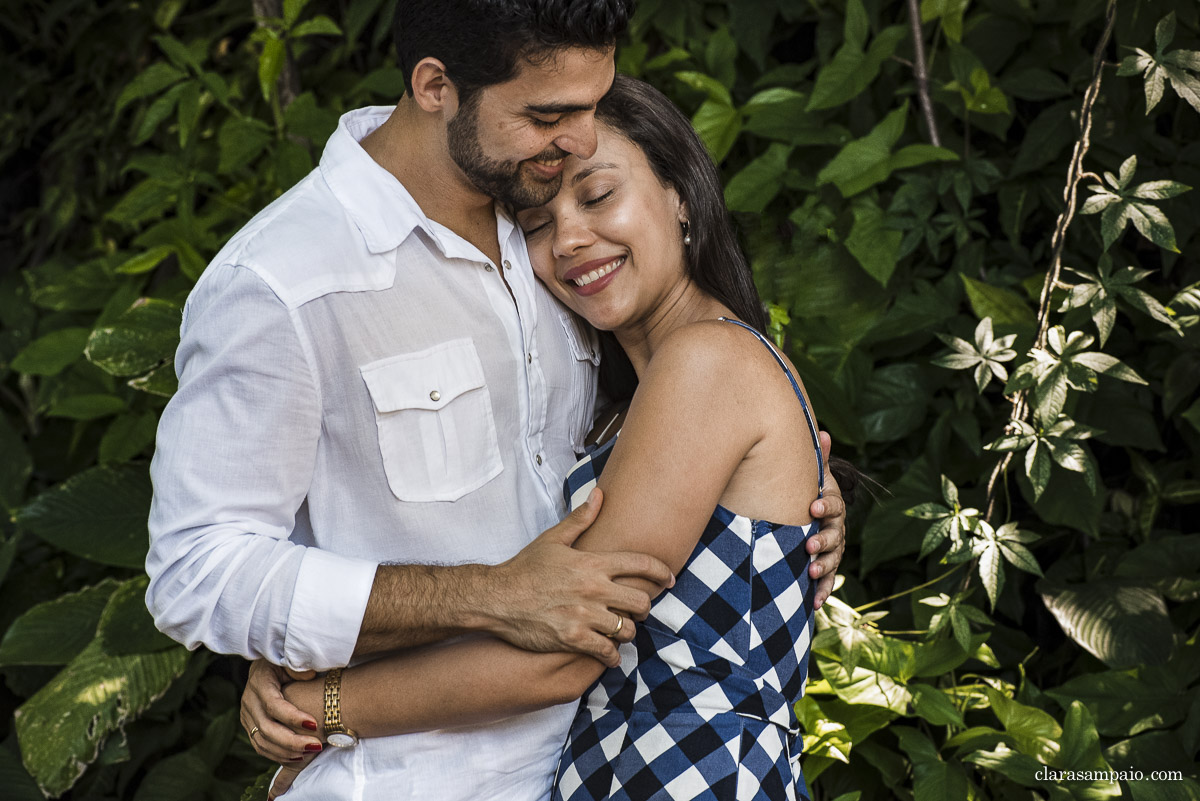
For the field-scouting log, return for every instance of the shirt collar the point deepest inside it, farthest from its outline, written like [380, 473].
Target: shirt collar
[382, 208]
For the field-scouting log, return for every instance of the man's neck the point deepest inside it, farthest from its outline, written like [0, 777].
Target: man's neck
[412, 147]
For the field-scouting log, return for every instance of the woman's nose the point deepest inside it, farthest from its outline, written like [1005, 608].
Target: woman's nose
[571, 234]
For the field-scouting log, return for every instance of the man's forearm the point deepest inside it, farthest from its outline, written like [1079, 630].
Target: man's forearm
[413, 605]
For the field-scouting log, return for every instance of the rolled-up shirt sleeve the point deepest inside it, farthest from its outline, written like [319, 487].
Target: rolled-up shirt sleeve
[235, 456]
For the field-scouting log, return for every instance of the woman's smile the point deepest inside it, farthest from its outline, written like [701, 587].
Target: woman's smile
[593, 276]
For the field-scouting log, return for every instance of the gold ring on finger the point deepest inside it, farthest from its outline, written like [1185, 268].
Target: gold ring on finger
[620, 622]
[253, 732]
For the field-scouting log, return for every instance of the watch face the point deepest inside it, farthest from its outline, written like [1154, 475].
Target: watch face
[342, 740]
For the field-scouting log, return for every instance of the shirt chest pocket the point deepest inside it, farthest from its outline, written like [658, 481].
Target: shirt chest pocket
[437, 434]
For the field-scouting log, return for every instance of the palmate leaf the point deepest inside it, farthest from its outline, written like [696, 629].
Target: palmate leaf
[986, 355]
[1037, 467]
[1185, 85]
[1121, 205]
[1152, 224]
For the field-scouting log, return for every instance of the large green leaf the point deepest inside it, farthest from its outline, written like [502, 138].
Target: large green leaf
[15, 467]
[872, 243]
[64, 725]
[54, 632]
[125, 626]
[895, 403]
[1123, 703]
[935, 706]
[1005, 307]
[759, 181]
[934, 779]
[50, 354]
[867, 161]
[1120, 623]
[99, 514]
[140, 339]
[718, 125]
[863, 686]
[1035, 732]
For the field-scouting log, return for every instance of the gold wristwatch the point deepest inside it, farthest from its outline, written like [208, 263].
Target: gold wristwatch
[336, 733]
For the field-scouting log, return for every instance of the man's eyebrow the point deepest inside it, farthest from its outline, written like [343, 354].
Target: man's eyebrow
[586, 171]
[559, 108]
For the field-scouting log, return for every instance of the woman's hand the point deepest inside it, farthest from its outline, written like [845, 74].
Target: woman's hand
[830, 542]
[278, 730]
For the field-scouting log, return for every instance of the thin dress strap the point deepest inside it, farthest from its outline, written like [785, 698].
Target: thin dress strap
[812, 426]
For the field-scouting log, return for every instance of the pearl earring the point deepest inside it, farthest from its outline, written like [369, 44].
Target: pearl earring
[687, 233]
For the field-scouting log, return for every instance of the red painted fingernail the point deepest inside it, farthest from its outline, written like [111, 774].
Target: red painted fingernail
[311, 725]
[313, 747]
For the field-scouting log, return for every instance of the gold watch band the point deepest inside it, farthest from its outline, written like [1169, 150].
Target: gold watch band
[336, 733]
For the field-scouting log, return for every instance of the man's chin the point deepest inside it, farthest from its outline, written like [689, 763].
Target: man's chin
[532, 190]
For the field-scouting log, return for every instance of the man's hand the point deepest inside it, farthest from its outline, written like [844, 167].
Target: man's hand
[830, 541]
[551, 597]
[272, 721]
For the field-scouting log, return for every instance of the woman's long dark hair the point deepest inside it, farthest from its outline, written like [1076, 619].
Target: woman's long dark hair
[648, 119]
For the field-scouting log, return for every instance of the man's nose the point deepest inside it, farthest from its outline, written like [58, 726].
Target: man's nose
[579, 137]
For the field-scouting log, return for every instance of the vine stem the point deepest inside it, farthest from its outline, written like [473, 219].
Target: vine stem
[1075, 175]
[289, 76]
[921, 68]
[910, 590]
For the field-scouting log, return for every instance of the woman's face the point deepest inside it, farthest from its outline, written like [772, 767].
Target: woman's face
[610, 243]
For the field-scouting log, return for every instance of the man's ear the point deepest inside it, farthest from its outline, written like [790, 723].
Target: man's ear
[432, 89]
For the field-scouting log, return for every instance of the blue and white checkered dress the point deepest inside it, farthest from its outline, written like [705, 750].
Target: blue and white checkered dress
[701, 705]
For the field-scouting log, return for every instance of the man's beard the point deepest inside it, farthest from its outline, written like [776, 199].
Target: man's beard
[501, 180]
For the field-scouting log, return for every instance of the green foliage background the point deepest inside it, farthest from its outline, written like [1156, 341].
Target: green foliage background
[1024, 590]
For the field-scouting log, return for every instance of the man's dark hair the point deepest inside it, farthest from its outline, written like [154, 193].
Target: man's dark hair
[482, 42]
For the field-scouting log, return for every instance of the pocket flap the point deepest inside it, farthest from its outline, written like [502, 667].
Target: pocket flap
[427, 379]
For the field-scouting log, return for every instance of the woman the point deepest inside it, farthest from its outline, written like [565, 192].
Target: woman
[639, 243]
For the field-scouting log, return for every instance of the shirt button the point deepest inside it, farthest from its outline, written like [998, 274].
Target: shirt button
[435, 396]
[487, 267]
[507, 264]
[538, 458]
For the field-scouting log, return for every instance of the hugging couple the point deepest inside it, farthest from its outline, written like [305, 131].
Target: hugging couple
[387, 380]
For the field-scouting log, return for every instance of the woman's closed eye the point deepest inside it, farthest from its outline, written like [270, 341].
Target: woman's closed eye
[596, 201]
[535, 225]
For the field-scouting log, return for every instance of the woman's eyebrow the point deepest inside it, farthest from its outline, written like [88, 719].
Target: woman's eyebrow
[591, 168]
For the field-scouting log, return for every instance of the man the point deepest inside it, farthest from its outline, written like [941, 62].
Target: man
[378, 402]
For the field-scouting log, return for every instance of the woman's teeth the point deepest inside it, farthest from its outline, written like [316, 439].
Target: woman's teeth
[599, 272]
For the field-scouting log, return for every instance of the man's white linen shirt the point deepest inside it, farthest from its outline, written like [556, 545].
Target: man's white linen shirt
[357, 385]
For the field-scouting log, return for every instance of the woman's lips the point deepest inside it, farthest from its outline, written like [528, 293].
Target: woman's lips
[590, 278]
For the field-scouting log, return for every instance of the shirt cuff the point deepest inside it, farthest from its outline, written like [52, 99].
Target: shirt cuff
[327, 610]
